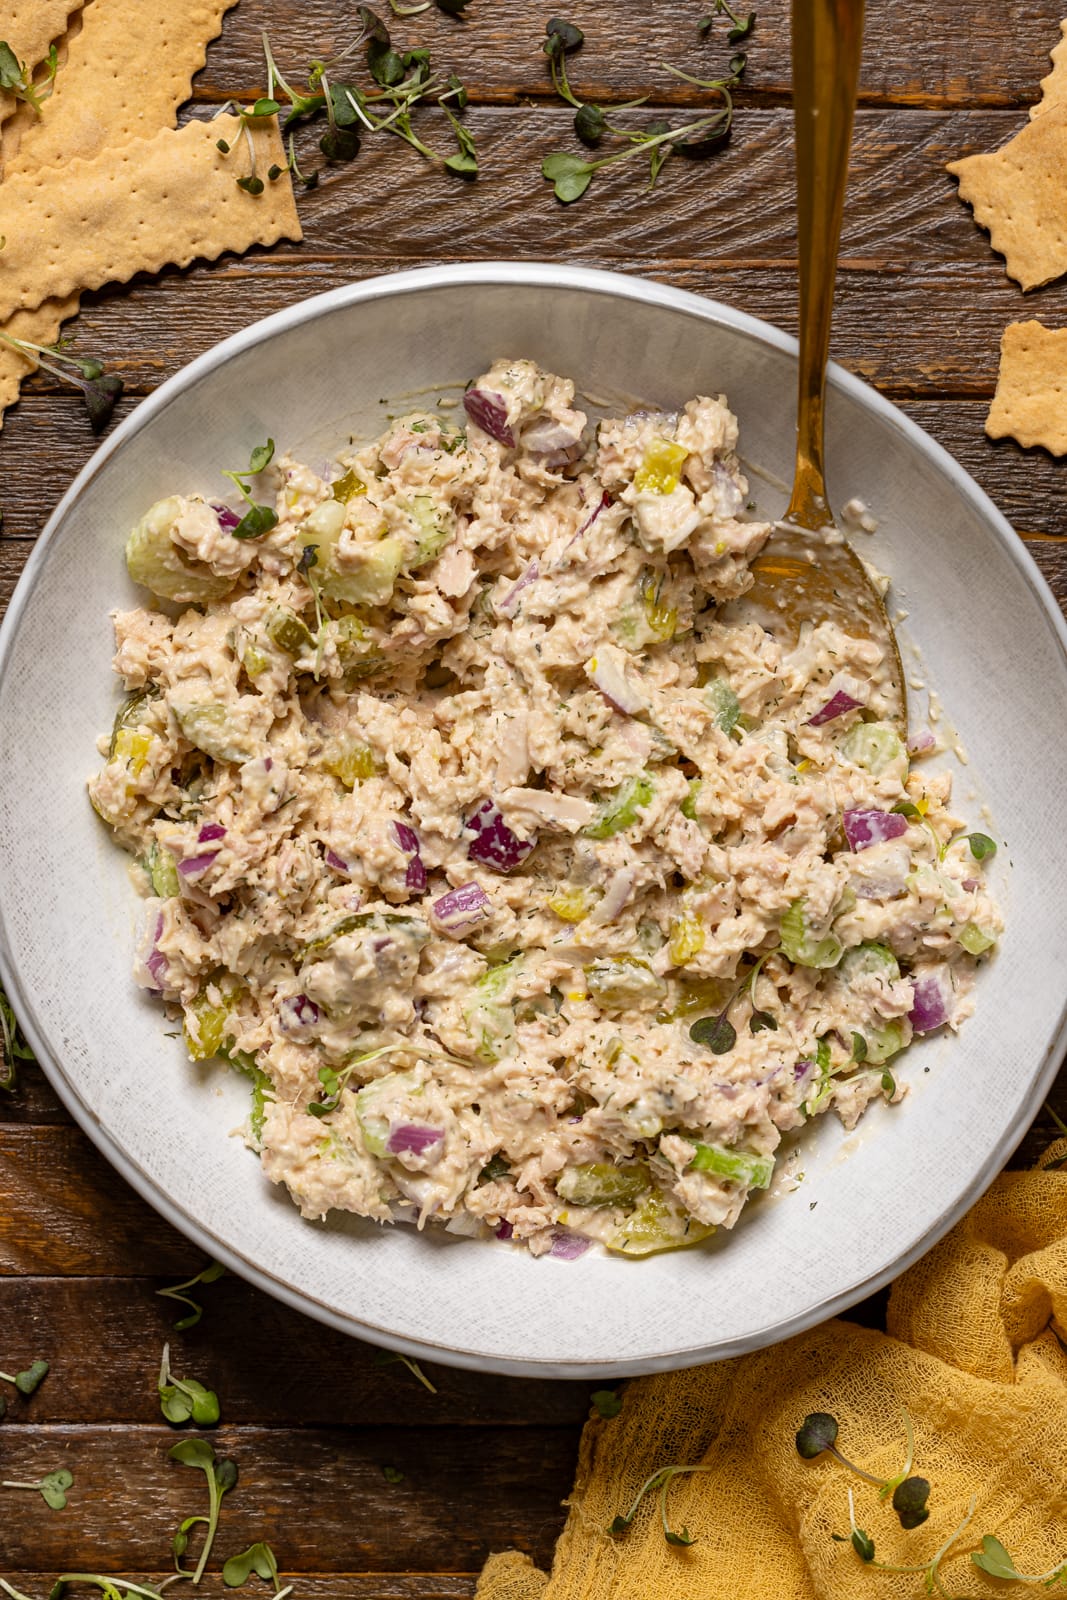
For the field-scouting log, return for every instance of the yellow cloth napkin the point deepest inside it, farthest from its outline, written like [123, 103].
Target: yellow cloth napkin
[971, 1354]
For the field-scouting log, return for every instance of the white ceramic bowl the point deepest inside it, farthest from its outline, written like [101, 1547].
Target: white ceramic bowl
[993, 643]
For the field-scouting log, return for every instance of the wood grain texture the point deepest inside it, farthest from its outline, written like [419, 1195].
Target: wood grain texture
[964, 53]
[922, 301]
[317, 1495]
[235, 1350]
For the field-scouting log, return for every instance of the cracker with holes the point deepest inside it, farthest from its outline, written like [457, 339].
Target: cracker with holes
[1031, 399]
[1054, 87]
[1019, 193]
[172, 198]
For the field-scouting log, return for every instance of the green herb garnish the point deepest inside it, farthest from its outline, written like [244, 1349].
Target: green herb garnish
[210, 1274]
[182, 1399]
[52, 1487]
[386, 1358]
[29, 1380]
[392, 1474]
[258, 519]
[661, 1480]
[17, 77]
[258, 1559]
[100, 391]
[221, 1477]
[817, 1436]
[607, 1403]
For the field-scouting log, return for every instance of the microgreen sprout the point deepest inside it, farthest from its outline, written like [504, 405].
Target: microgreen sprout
[994, 1559]
[860, 1541]
[718, 1033]
[17, 78]
[210, 1274]
[742, 26]
[99, 390]
[392, 1474]
[182, 1399]
[333, 1079]
[659, 1480]
[386, 1358]
[258, 1558]
[590, 122]
[929, 1569]
[52, 1487]
[221, 1477]
[258, 519]
[817, 1435]
[29, 1380]
[606, 1403]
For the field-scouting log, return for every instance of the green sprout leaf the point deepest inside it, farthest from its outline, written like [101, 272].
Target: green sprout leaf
[590, 124]
[818, 1432]
[386, 1358]
[392, 1474]
[909, 1502]
[859, 1047]
[182, 1399]
[981, 846]
[863, 1544]
[210, 1274]
[607, 1402]
[221, 1477]
[29, 1380]
[570, 175]
[717, 1034]
[52, 1487]
[760, 1021]
[13, 1047]
[994, 1559]
[258, 1558]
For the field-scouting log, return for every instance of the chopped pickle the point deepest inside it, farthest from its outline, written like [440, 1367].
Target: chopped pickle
[131, 746]
[368, 576]
[617, 982]
[205, 1027]
[289, 633]
[254, 661]
[599, 1183]
[394, 922]
[572, 903]
[347, 487]
[661, 470]
[489, 1018]
[621, 809]
[687, 939]
[130, 714]
[349, 760]
[163, 872]
[739, 1166]
[706, 996]
[724, 703]
[658, 1223]
[885, 1041]
[662, 620]
[355, 651]
[798, 944]
[205, 724]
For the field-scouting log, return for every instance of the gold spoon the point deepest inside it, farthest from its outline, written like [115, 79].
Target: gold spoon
[806, 572]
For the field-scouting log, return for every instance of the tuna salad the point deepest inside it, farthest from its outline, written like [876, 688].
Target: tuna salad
[534, 894]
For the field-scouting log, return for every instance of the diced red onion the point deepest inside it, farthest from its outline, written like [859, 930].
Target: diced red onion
[864, 828]
[268, 762]
[193, 866]
[836, 706]
[569, 1246]
[602, 505]
[150, 968]
[802, 1069]
[494, 844]
[460, 908]
[298, 1013]
[921, 742]
[554, 441]
[505, 1230]
[228, 518]
[614, 685]
[408, 840]
[210, 830]
[507, 606]
[930, 1004]
[971, 885]
[338, 863]
[488, 411]
[412, 1138]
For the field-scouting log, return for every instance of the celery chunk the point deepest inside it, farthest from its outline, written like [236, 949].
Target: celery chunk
[740, 1166]
[798, 944]
[622, 808]
[599, 1183]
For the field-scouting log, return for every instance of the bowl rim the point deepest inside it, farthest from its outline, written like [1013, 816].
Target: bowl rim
[614, 286]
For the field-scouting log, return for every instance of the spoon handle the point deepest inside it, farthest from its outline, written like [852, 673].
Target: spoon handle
[827, 43]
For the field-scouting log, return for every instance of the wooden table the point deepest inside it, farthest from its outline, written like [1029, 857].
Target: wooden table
[922, 301]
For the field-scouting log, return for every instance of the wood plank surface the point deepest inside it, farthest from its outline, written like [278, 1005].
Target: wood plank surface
[922, 301]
